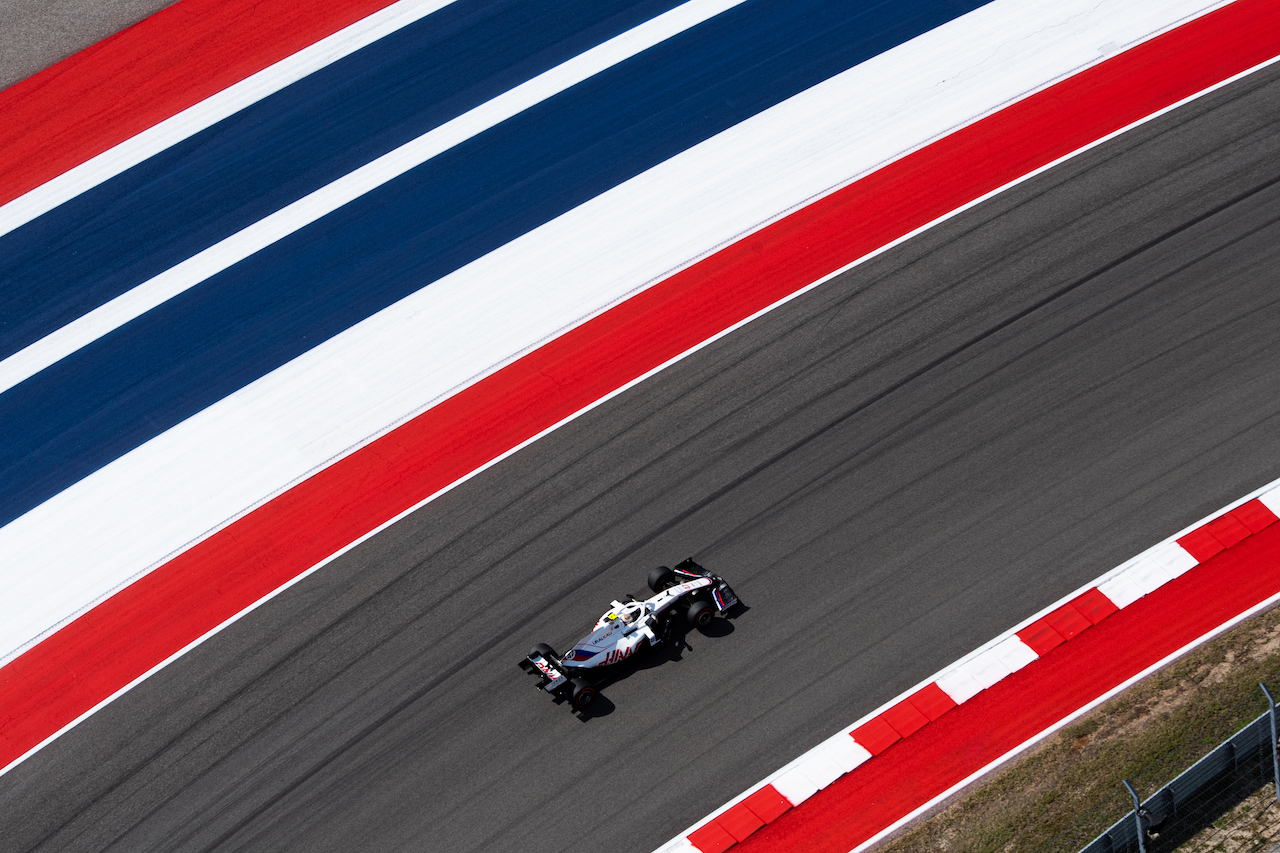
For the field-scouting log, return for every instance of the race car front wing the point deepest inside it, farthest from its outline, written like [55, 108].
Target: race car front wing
[553, 679]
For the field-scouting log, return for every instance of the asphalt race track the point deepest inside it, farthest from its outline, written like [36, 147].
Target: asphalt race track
[889, 470]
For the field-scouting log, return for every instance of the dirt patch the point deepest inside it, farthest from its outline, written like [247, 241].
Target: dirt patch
[1062, 794]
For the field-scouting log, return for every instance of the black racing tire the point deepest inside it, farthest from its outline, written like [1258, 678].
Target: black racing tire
[583, 693]
[545, 651]
[700, 615]
[662, 578]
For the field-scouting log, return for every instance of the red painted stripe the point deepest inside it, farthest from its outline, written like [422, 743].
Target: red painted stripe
[124, 637]
[179, 56]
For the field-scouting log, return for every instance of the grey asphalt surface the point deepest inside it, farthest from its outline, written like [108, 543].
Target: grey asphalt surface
[890, 471]
[35, 34]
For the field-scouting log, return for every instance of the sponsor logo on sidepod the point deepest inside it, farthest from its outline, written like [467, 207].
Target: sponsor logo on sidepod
[617, 655]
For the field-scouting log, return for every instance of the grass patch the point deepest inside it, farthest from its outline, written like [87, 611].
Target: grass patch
[1065, 792]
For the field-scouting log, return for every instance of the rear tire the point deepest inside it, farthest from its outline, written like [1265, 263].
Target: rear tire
[662, 578]
[545, 651]
[700, 615]
[583, 694]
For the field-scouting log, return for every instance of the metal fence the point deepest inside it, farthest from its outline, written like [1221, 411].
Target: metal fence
[1187, 808]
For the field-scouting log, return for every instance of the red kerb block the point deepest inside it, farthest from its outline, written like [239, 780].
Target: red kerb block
[1041, 637]
[711, 838]
[876, 735]
[1228, 530]
[1094, 606]
[740, 821]
[767, 804]
[905, 718]
[1068, 621]
[1201, 544]
[1254, 515]
[932, 701]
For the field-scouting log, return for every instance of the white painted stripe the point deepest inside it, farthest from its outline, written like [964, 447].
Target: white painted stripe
[306, 210]
[135, 513]
[212, 110]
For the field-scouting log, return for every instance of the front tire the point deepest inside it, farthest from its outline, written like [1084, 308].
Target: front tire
[662, 578]
[700, 615]
[583, 694]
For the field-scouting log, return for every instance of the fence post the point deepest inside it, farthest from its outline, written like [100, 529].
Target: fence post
[1137, 818]
[1275, 758]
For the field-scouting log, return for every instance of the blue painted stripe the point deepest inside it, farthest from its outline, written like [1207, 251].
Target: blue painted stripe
[151, 374]
[161, 212]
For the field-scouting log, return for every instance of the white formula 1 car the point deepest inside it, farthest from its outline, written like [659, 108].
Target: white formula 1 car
[631, 626]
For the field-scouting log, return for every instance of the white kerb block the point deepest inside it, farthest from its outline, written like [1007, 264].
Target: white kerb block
[959, 685]
[846, 752]
[1271, 500]
[986, 669]
[1013, 653]
[820, 769]
[795, 786]
[1173, 558]
[1148, 575]
[1121, 590]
